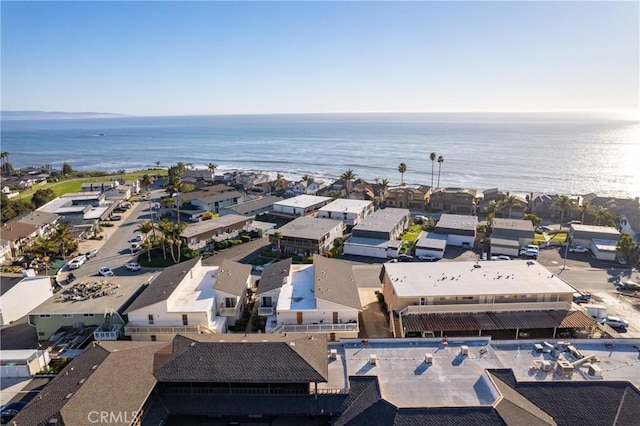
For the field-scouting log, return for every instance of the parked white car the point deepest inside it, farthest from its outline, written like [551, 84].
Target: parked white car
[77, 262]
[614, 322]
[105, 271]
[427, 258]
[578, 249]
[501, 257]
[132, 266]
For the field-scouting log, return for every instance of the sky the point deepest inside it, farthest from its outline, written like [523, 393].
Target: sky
[197, 58]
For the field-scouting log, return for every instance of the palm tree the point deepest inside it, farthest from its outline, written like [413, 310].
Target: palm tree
[145, 228]
[509, 203]
[43, 247]
[402, 168]
[585, 209]
[605, 217]
[440, 161]
[348, 177]
[165, 226]
[174, 241]
[384, 185]
[157, 164]
[146, 181]
[62, 237]
[563, 203]
[432, 157]
[213, 168]
[278, 236]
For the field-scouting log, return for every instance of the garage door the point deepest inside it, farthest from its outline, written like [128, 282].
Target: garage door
[358, 250]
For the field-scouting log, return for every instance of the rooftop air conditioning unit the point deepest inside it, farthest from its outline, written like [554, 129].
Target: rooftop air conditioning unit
[464, 350]
[333, 354]
[595, 371]
[546, 366]
[428, 358]
[373, 359]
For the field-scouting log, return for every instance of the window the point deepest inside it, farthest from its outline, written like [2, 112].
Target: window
[229, 302]
[67, 315]
[185, 319]
[467, 297]
[88, 315]
[150, 319]
[267, 302]
[45, 316]
[153, 338]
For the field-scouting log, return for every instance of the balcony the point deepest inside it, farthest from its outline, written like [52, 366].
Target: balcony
[228, 312]
[266, 311]
[153, 329]
[316, 328]
[486, 307]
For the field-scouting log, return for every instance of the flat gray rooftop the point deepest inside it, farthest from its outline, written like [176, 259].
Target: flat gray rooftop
[383, 220]
[453, 380]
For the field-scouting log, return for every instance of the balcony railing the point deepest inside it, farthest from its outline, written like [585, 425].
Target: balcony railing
[105, 335]
[316, 328]
[228, 312]
[164, 329]
[266, 311]
[486, 307]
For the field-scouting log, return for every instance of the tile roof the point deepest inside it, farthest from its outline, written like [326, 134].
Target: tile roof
[245, 359]
[232, 277]
[334, 282]
[13, 230]
[497, 321]
[161, 288]
[39, 218]
[514, 408]
[273, 275]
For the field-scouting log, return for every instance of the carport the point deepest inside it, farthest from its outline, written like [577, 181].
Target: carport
[506, 325]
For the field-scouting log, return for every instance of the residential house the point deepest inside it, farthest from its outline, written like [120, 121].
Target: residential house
[459, 229]
[19, 295]
[303, 379]
[198, 174]
[471, 299]
[453, 200]
[414, 198]
[489, 195]
[543, 205]
[81, 208]
[189, 298]
[118, 193]
[306, 236]
[186, 197]
[302, 205]
[319, 298]
[251, 208]
[5, 249]
[99, 186]
[627, 209]
[305, 187]
[378, 234]
[199, 235]
[22, 362]
[508, 235]
[18, 236]
[97, 305]
[431, 244]
[215, 202]
[249, 180]
[46, 222]
[601, 240]
[350, 212]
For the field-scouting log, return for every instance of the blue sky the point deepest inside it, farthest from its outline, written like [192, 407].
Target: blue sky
[166, 58]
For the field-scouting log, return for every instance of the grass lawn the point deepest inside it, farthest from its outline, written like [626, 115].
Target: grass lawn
[538, 239]
[559, 237]
[73, 185]
[157, 259]
[412, 233]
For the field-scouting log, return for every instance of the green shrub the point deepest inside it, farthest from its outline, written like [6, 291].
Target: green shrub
[246, 238]
[308, 259]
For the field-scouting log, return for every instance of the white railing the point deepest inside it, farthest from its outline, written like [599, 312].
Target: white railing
[486, 307]
[105, 335]
[163, 329]
[316, 328]
[266, 311]
[228, 312]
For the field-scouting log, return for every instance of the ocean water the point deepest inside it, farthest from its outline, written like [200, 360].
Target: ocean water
[554, 153]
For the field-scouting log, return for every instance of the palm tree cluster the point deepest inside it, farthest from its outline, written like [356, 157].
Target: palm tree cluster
[348, 177]
[60, 242]
[433, 156]
[4, 160]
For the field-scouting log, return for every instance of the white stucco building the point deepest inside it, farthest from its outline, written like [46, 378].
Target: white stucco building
[350, 212]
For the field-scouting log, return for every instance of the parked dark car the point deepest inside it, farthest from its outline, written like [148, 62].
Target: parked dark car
[405, 258]
[581, 297]
[116, 217]
[10, 410]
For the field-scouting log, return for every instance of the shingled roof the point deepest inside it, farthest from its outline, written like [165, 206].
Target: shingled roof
[334, 282]
[94, 382]
[232, 277]
[579, 402]
[161, 288]
[245, 359]
[274, 274]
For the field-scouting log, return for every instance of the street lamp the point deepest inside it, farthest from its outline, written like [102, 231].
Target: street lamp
[566, 251]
